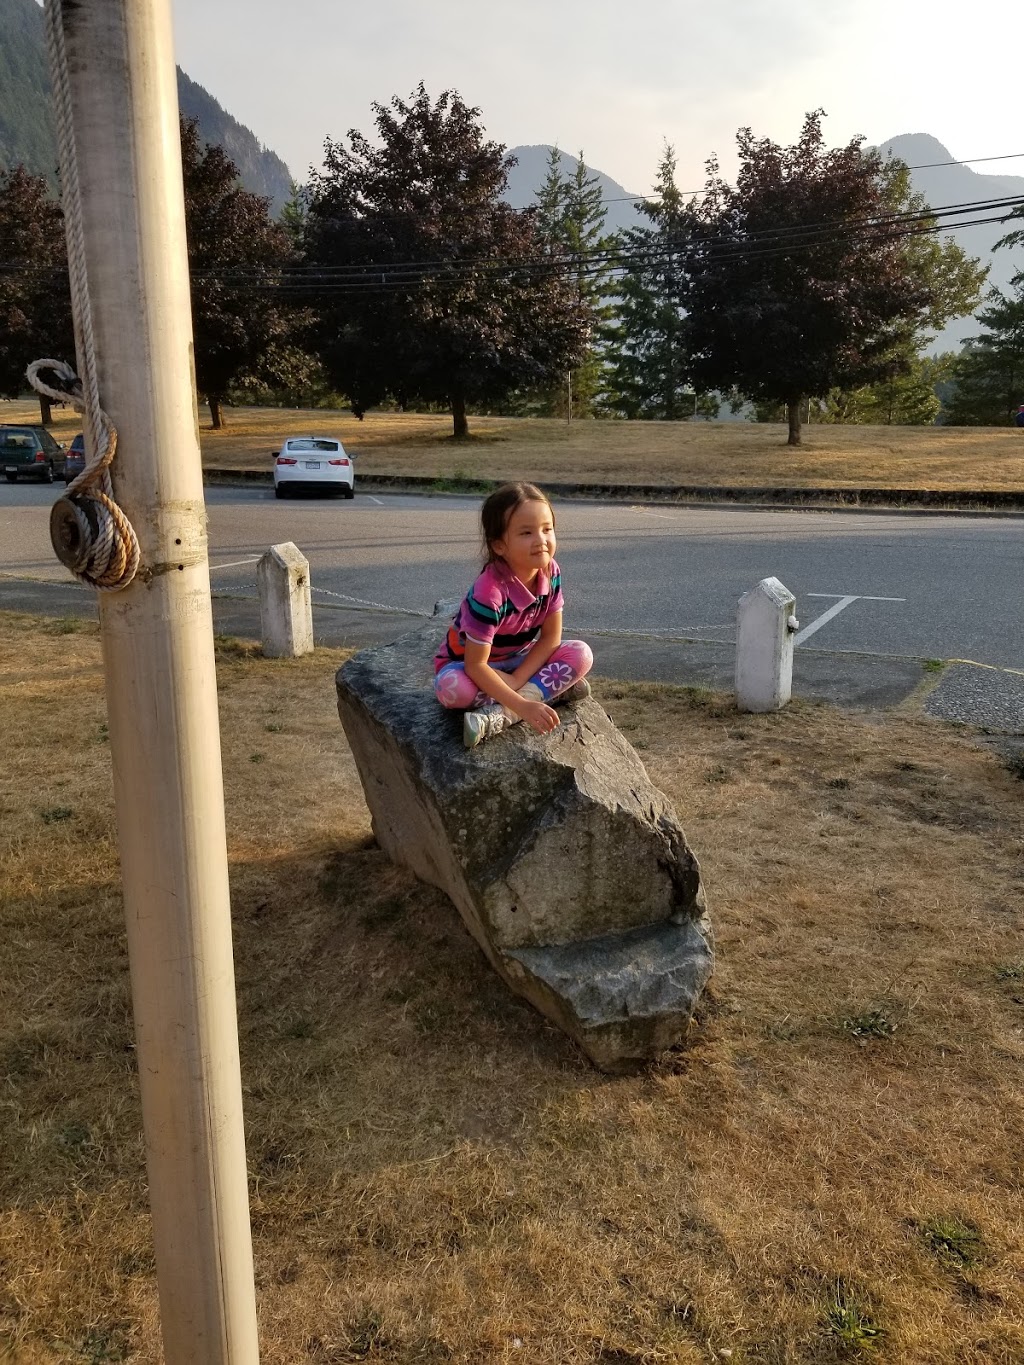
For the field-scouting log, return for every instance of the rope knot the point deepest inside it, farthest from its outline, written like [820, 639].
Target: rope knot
[90, 534]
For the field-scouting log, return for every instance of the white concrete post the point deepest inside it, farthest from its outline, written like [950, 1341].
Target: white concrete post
[161, 680]
[286, 605]
[765, 626]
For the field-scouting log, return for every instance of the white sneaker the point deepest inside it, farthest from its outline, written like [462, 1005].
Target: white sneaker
[481, 724]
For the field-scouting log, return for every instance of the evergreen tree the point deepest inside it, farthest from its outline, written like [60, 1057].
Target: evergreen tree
[552, 201]
[293, 217]
[648, 373]
[570, 217]
[988, 376]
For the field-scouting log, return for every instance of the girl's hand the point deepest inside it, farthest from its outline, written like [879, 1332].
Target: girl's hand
[538, 716]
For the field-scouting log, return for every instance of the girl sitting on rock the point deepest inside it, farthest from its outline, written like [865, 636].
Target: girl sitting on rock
[503, 659]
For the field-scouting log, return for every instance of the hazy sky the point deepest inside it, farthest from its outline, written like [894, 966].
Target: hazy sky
[618, 79]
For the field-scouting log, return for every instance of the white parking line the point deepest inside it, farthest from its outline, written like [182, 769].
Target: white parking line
[373, 499]
[841, 605]
[234, 563]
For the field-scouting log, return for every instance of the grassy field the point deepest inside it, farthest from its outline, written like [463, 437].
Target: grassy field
[705, 453]
[830, 1172]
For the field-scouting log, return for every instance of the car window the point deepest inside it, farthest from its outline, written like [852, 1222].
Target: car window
[313, 443]
[49, 444]
[18, 440]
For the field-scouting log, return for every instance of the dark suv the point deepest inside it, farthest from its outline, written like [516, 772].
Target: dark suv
[31, 452]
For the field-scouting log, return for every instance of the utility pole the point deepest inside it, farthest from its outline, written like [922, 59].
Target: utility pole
[568, 411]
[161, 686]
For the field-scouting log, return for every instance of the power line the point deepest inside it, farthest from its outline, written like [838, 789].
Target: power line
[318, 286]
[822, 230]
[614, 261]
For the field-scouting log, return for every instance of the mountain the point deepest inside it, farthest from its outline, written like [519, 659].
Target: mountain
[27, 133]
[526, 178]
[943, 185]
[260, 170]
[26, 125]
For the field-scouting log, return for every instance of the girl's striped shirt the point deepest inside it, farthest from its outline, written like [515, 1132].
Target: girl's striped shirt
[502, 612]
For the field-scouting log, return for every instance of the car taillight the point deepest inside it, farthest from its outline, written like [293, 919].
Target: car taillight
[344, 462]
[286, 459]
[40, 457]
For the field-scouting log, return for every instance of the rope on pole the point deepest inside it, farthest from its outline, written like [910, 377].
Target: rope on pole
[90, 534]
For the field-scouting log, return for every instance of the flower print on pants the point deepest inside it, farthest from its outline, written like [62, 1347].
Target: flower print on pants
[556, 676]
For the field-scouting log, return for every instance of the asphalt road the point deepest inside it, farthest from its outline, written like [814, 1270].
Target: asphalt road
[907, 586]
[924, 585]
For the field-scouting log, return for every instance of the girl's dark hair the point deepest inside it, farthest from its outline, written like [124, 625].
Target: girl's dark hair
[499, 506]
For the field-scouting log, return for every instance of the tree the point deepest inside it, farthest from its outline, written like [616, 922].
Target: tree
[906, 399]
[242, 325]
[570, 217]
[552, 203]
[35, 295]
[293, 217]
[649, 359]
[806, 276]
[434, 289]
[988, 376]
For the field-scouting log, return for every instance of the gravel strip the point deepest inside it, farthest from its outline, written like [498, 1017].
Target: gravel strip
[980, 696]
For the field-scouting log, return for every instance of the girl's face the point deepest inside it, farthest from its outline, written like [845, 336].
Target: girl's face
[528, 544]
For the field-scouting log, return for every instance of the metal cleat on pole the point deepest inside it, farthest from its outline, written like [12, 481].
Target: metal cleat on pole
[765, 628]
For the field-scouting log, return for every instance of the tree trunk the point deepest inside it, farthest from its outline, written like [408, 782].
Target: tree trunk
[216, 413]
[45, 412]
[795, 419]
[459, 415]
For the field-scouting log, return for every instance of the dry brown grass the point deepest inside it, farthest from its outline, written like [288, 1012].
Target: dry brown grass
[721, 454]
[436, 1174]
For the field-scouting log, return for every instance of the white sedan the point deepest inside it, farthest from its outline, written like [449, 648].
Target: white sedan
[314, 462]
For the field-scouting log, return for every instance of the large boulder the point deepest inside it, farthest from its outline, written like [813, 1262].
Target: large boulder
[566, 863]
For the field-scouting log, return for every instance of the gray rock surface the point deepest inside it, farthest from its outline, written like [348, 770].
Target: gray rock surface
[566, 863]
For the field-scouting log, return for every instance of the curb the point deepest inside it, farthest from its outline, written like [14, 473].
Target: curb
[898, 499]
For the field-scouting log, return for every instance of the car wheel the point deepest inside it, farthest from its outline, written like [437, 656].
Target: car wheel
[11, 478]
[350, 492]
[278, 492]
[48, 474]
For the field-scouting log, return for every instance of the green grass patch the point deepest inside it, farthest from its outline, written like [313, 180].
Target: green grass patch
[461, 482]
[954, 1240]
[56, 815]
[877, 1024]
[850, 1324]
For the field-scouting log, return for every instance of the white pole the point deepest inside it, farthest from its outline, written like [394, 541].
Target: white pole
[766, 626]
[161, 688]
[286, 602]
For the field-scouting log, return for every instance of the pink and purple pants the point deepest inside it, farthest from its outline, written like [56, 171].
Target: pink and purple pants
[571, 661]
